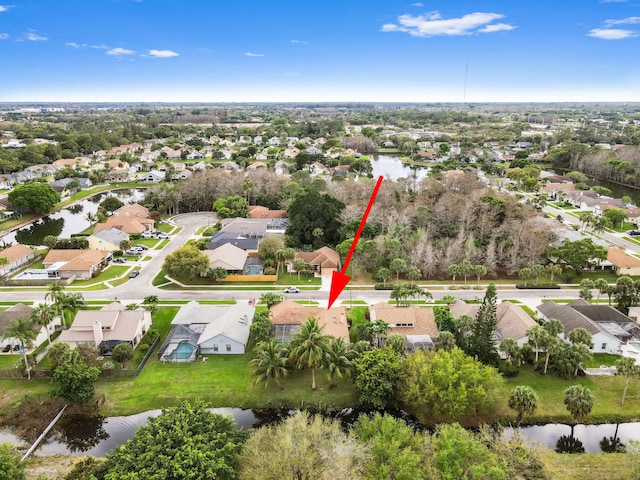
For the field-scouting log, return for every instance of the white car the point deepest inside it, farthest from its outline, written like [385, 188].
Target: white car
[292, 290]
[163, 235]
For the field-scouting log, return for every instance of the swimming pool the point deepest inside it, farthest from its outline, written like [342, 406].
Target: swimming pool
[635, 345]
[181, 352]
[32, 274]
[254, 270]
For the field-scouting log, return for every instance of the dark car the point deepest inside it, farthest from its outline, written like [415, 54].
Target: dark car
[134, 274]
[7, 348]
[633, 233]
[119, 260]
[16, 348]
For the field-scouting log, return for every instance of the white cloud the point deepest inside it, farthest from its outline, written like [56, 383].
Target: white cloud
[623, 21]
[4, 36]
[120, 51]
[35, 36]
[417, 4]
[301, 42]
[250, 54]
[4, 8]
[163, 53]
[497, 27]
[103, 47]
[611, 33]
[613, 1]
[433, 24]
[75, 45]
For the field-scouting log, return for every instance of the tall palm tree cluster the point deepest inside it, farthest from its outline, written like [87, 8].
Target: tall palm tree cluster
[57, 304]
[310, 348]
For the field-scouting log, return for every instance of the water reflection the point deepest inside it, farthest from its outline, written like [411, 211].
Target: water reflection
[68, 221]
[569, 444]
[392, 168]
[79, 432]
[612, 444]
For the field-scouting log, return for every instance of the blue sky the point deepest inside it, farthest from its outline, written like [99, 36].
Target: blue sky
[312, 50]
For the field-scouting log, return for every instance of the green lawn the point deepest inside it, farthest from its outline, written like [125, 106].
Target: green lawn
[8, 359]
[147, 242]
[292, 279]
[356, 316]
[109, 273]
[164, 227]
[589, 466]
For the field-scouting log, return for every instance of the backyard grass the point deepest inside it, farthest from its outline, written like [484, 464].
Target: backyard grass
[356, 316]
[7, 360]
[550, 389]
[589, 466]
[599, 359]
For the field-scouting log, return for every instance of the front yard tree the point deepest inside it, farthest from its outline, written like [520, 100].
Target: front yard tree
[43, 315]
[33, 198]
[523, 400]
[376, 376]
[309, 347]
[312, 210]
[298, 266]
[125, 245]
[579, 401]
[186, 262]
[383, 274]
[626, 366]
[122, 353]
[231, 206]
[218, 273]
[187, 441]
[270, 299]
[579, 254]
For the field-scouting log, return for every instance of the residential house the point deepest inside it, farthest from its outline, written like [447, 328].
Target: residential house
[207, 329]
[129, 225]
[633, 215]
[61, 185]
[287, 316]
[606, 338]
[107, 239]
[236, 239]
[258, 211]
[227, 256]
[20, 310]
[17, 256]
[314, 150]
[512, 320]
[416, 324]
[132, 210]
[318, 168]
[256, 165]
[323, 260]
[623, 263]
[556, 190]
[71, 162]
[291, 152]
[274, 141]
[107, 327]
[79, 263]
[119, 175]
[230, 165]
[154, 176]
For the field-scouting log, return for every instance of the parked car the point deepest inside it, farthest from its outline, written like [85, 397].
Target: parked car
[141, 247]
[148, 235]
[163, 235]
[133, 252]
[7, 348]
[292, 290]
[134, 274]
[633, 233]
[119, 260]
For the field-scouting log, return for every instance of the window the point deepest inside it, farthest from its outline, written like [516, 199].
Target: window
[228, 347]
[604, 346]
[215, 348]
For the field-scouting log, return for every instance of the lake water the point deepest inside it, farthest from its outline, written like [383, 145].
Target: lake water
[97, 436]
[392, 168]
[70, 220]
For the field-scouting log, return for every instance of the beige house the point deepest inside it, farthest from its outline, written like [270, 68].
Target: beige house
[257, 211]
[132, 210]
[81, 263]
[287, 316]
[107, 239]
[108, 327]
[129, 225]
[324, 260]
[227, 256]
[623, 263]
[416, 324]
[17, 256]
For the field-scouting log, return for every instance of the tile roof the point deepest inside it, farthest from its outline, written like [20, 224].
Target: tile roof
[619, 258]
[418, 320]
[324, 256]
[333, 321]
[16, 252]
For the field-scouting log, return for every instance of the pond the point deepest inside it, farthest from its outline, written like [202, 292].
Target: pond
[392, 168]
[67, 221]
[76, 435]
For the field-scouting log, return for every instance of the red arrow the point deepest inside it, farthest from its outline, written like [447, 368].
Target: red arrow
[339, 279]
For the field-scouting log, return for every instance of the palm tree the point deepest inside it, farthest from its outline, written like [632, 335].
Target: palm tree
[479, 271]
[536, 334]
[523, 400]
[466, 268]
[579, 401]
[69, 304]
[309, 347]
[379, 330]
[510, 348]
[626, 366]
[338, 361]
[601, 285]
[43, 315]
[448, 299]
[91, 217]
[271, 362]
[453, 271]
[280, 257]
[553, 270]
[54, 291]
[3, 261]
[23, 331]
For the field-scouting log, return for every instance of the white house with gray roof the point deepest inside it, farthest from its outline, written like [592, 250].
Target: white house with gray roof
[107, 239]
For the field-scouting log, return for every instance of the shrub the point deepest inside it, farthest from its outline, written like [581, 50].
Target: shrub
[380, 286]
[135, 236]
[144, 348]
[270, 271]
[509, 369]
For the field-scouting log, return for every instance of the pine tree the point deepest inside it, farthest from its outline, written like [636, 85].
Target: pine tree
[481, 341]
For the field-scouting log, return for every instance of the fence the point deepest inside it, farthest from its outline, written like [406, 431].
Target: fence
[134, 373]
[250, 278]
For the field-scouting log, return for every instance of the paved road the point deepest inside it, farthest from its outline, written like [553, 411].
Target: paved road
[136, 289]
